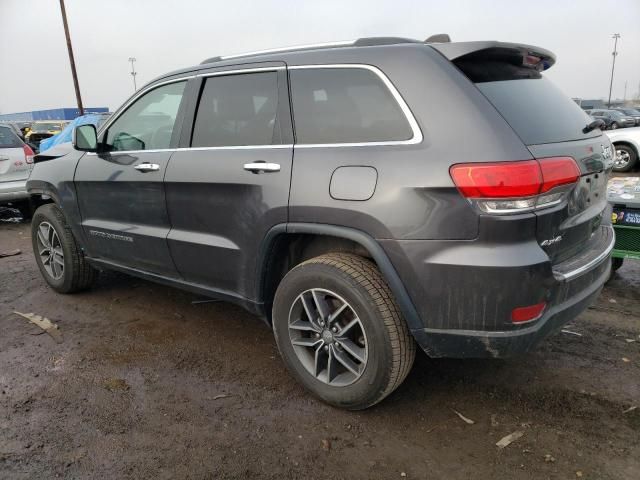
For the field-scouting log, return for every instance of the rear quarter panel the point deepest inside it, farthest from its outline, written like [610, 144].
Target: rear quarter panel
[415, 197]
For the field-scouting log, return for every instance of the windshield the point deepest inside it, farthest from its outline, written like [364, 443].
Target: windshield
[45, 126]
[616, 114]
[630, 111]
[537, 110]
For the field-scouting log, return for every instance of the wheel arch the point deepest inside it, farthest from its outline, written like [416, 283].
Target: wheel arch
[286, 245]
[628, 143]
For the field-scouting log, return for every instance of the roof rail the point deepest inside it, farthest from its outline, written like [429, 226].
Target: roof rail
[281, 49]
[360, 42]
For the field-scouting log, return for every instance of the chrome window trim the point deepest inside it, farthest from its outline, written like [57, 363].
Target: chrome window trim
[415, 139]
[241, 70]
[343, 43]
[415, 128]
[136, 96]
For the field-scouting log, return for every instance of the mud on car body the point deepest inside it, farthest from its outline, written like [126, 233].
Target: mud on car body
[324, 189]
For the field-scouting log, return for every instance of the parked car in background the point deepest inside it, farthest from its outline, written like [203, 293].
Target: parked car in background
[41, 130]
[96, 119]
[626, 143]
[616, 119]
[630, 112]
[15, 128]
[16, 162]
[389, 232]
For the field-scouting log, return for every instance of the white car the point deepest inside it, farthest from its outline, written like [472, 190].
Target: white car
[626, 141]
[16, 162]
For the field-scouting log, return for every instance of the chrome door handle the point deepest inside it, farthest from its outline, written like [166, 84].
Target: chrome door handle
[147, 167]
[262, 167]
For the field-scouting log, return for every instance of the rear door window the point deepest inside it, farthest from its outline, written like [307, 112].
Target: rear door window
[345, 105]
[238, 110]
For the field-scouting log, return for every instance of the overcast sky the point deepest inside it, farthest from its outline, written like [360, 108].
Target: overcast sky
[168, 34]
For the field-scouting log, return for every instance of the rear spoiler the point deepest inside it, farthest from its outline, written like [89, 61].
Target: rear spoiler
[530, 56]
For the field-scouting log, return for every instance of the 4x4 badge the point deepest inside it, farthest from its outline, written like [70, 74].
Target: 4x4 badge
[551, 241]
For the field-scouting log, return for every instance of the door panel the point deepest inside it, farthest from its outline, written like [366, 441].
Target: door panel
[220, 208]
[124, 213]
[121, 192]
[220, 213]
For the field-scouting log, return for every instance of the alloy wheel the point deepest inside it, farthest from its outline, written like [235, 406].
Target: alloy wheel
[328, 337]
[50, 250]
[622, 159]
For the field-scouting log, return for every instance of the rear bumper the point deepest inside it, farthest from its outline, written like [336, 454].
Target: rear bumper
[481, 344]
[13, 191]
[464, 291]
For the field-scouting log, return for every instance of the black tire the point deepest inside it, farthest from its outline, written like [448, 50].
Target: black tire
[630, 154]
[391, 349]
[614, 126]
[77, 274]
[616, 263]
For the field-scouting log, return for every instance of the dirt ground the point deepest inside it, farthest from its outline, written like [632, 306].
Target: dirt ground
[147, 384]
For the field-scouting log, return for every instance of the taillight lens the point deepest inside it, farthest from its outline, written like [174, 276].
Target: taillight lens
[512, 187]
[28, 153]
[558, 171]
[527, 314]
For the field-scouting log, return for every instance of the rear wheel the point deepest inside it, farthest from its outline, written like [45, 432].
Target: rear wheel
[58, 256]
[625, 158]
[616, 263]
[340, 332]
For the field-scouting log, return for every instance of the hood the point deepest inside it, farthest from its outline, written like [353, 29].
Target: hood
[56, 152]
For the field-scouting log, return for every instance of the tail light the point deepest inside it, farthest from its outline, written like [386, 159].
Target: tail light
[28, 153]
[514, 187]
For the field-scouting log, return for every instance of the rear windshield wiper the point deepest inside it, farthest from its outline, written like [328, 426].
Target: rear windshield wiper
[593, 125]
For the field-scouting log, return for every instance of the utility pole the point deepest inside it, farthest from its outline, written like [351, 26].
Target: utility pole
[624, 98]
[71, 60]
[615, 36]
[133, 72]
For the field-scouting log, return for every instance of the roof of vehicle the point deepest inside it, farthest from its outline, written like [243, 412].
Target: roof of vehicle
[297, 54]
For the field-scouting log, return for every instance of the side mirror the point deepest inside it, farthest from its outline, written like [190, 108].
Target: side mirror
[85, 138]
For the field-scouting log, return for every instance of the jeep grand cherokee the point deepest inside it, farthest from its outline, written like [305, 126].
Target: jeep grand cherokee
[361, 197]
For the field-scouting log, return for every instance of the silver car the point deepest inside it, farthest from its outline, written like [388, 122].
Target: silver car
[16, 162]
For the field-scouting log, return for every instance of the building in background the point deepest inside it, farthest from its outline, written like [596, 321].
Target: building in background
[52, 114]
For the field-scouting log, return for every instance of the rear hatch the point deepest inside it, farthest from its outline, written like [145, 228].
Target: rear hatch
[13, 161]
[551, 125]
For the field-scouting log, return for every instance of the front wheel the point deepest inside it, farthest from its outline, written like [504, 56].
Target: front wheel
[613, 126]
[58, 256]
[340, 331]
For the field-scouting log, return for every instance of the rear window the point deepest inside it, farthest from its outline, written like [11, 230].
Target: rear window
[535, 108]
[345, 105]
[8, 139]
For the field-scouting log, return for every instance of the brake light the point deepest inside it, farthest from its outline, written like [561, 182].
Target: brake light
[497, 180]
[28, 153]
[515, 186]
[558, 171]
[527, 314]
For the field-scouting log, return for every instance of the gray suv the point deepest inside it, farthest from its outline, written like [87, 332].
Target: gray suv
[361, 198]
